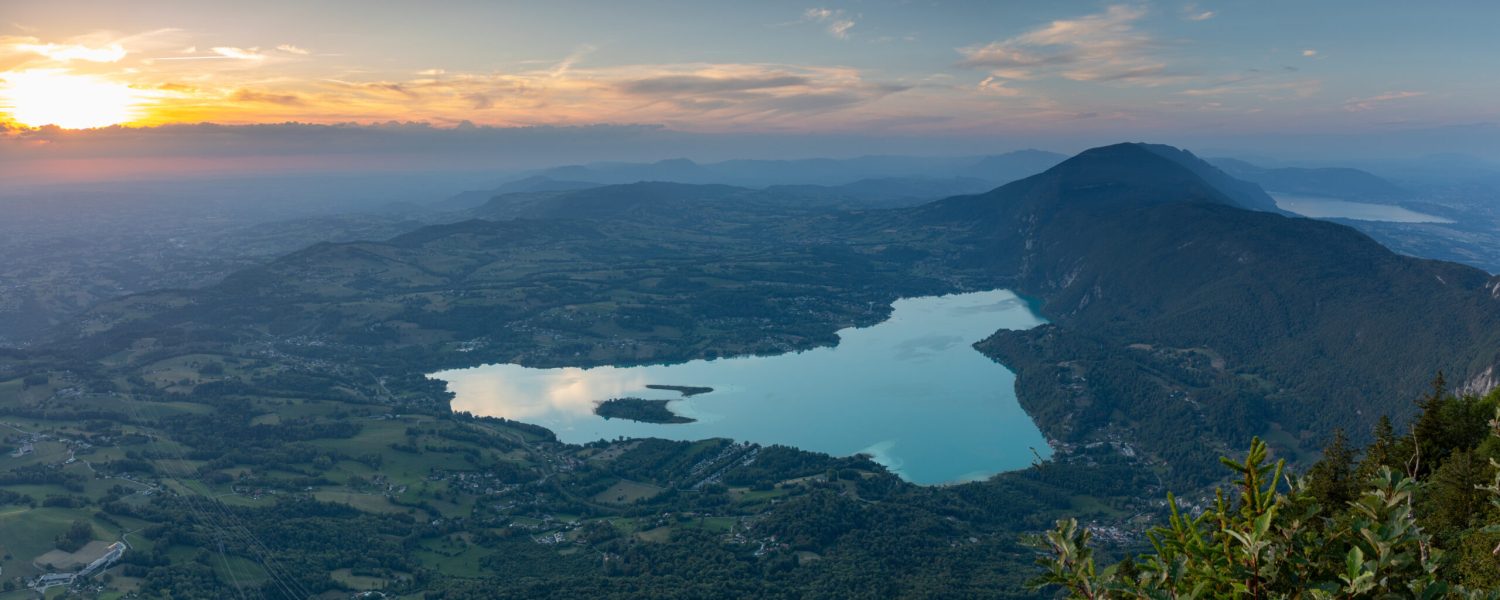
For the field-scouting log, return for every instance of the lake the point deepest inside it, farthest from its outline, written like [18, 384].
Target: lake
[911, 391]
[1330, 208]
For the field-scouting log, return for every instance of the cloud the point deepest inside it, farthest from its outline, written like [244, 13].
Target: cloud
[245, 95]
[194, 78]
[239, 53]
[249, 55]
[766, 100]
[1373, 102]
[1259, 86]
[1310, 53]
[835, 21]
[1192, 12]
[70, 52]
[997, 86]
[566, 64]
[384, 88]
[191, 80]
[698, 84]
[480, 101]
[1099, 47]
[1009, 57]
[730, 93]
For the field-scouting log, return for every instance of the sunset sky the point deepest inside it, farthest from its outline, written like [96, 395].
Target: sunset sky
[930, 68]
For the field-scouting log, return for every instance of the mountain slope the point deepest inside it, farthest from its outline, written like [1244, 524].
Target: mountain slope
[1245, 193]
[996, 169]
[701, 204]
[1352, 184]
[528, 185]
[884, 192]
[1174, 309]
[645, 272]
[1181, 321]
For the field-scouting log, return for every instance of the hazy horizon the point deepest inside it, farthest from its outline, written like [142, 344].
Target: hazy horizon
[509, 86]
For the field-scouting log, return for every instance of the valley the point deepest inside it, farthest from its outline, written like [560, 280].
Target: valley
[674, 300]
[1163, 323]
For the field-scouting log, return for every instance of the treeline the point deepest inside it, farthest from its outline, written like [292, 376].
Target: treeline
[1414, 516]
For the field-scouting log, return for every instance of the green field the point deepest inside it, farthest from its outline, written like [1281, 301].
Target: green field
[26, 534]
[626, 492]
[365, 502]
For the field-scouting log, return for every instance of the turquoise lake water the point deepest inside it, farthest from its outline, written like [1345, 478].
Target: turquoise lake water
[910, 391]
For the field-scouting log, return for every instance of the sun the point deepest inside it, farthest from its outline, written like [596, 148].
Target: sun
[54, 97]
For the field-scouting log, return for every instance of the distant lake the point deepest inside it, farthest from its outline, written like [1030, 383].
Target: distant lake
[910, 391]
[1329, 208]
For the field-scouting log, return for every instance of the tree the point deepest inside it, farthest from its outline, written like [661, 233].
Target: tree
[1382, 452]
[1278, 540]
[1331, 481]
[77, 535]
[1455, 495]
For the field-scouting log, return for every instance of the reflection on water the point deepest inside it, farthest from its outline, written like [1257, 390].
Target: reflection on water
[1329, 208]
[910, 391]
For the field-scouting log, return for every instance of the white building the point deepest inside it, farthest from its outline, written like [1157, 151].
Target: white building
[52, 579]
[115, 551]
[111, 554]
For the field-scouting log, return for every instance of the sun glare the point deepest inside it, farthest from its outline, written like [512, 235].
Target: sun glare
[53, 97]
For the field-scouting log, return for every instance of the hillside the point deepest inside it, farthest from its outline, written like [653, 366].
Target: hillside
[1167, 297]
[1351, 184]
[996, 169]
[1171, 304]
[707, 206]
[646, 278]
[526, 185]
[1181, 323]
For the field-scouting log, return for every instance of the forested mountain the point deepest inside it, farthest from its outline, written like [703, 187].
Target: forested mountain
[658, 201]
[886, 192]
[525, 185]
[1168, 298]
[792, 184]
[501, 300]
[1332, 182]
[999, 168]
[1177, 306]
[669, 271]
[1184, 319]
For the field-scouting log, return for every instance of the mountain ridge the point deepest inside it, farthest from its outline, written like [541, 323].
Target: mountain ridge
[1140, 268]
[997, 168]
[1139, 262]
[1332, 182]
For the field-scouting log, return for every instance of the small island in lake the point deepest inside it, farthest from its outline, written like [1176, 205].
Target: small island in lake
[685, 390]
[639, 409]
